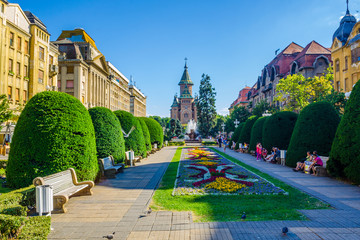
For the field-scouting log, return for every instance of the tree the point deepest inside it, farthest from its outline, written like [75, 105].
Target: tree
[175, 129]
[5, 113]
[262, 107]
[206, 109]
[336, 99]
[163, 121]
[240, 114]
[257, 132]
[155, 130]
[344, 158]
[218, 126]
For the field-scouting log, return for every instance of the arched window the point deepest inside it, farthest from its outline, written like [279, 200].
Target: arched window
[293, 68]
[264, 77]
[272, 77]
[186, 115]
[337, 65]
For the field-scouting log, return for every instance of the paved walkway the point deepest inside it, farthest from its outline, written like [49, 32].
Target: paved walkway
[118, 204]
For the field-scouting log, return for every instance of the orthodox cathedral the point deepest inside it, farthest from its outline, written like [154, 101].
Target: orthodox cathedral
[184, 107]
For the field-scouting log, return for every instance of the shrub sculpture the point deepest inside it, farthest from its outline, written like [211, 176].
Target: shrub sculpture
[245, 134]
[108, 134]
[257, 132]
[277, 130]
[314, 130]
[236, 135]
[135, 141]
[345, 152]
[238, 129]
[155, 130]
[146, 134]
[54, 132]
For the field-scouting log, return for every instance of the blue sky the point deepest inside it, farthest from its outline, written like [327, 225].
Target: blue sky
[230, 40]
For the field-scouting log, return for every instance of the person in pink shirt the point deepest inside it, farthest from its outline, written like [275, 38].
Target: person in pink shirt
[316, 162]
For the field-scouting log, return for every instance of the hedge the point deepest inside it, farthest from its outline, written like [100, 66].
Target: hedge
[135, 141]
[314, 131]
[257, 132]
[155, 130]
[209, 143]
[277, 130]
[245, 134]
[236, 135]
[146, 134]
[344, 158]
[238, 129]
[176, 143]
[108, 134]
[3, 163]
[54, 132]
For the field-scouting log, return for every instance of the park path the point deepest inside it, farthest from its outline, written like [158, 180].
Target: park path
[117, 204]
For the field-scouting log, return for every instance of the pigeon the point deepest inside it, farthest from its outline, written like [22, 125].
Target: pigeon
[285, 230]
[110, 236]
[243, 217]
[149, 211]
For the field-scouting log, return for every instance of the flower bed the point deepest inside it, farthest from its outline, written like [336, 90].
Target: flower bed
[204, 172]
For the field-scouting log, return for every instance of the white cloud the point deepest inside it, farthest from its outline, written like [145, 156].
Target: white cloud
[224, 111]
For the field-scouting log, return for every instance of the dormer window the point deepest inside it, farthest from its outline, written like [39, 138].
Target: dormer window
[336, 44]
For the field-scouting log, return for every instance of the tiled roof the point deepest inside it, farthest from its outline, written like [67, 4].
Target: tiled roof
[35, 20]
[309, 54]
[185, 79]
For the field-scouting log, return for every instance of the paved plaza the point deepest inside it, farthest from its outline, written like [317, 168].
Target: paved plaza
[118, 205]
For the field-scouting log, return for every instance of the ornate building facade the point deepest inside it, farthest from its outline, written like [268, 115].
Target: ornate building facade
[242, 99]
[345, 53]
[184, 106]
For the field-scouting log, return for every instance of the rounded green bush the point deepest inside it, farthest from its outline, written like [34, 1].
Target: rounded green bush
[146, 134]
[238, 132]
[314, 131]
[344, 158]
[257, 132]
[236, 135]
[54, 132]
[155, 130]
[135, 141]
[108, 134]
[277, 130]
[245, 134]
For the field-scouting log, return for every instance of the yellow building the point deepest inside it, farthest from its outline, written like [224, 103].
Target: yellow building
[119, 91]
[345, 53]
[137, 102]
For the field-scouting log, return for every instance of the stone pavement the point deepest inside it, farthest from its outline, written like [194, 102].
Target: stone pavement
[118, 205]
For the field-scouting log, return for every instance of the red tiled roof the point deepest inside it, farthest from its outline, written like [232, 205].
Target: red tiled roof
[242, 98]
[309, 54]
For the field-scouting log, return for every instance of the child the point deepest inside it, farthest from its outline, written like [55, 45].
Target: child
[258, 152]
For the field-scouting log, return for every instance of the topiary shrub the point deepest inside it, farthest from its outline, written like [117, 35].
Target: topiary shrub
[135, 141]
[108, 134]
[238, 129]
[314, 130]
[155, 130]
[146, 134]
[54, 132]
[257, 132]
[277, 130]
[236, 135]
[344, 158]
[245, 134]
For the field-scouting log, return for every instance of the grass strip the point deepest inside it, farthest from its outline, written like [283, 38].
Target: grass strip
[210, 208]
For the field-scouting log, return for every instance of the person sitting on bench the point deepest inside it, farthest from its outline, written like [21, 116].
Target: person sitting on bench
[300, 166]
[316, 162]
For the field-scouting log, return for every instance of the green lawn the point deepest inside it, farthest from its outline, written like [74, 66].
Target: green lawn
[230, 208]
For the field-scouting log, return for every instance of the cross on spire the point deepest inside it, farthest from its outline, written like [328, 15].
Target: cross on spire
[186, 62]
[347, 7]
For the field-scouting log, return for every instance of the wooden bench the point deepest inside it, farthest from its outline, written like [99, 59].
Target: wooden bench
[136, 158]
[321, 170]
[109, 168]
[65, 185]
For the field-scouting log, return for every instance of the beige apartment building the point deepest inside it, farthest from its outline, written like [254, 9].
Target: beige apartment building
[25, 55]
[137, 102]
[119, 90]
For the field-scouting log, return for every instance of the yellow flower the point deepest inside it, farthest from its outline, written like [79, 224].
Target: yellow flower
[225, 185]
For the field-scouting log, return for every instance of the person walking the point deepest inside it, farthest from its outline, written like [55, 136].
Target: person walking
[219, 141]
[225, 144]
[258, 151]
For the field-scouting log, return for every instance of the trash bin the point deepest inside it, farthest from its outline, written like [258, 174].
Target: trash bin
[131, 158]
[44, 199]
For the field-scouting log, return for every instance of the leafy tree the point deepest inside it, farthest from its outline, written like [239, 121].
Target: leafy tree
[163, 121]
[263, 106]
[345, 151]
[218, 126]
[206, 109]
[240, 113]
[336, 99]
[5, 112]
[175, 129]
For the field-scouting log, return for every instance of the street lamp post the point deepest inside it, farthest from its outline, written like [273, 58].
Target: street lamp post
[223, 127]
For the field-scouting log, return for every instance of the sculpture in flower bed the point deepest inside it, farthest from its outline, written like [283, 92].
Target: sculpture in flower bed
[314, 130]
[54, 133]
[344, 158]
[204, 172]
[257, 132]
[135, 140]
[155, 130]
[146, 133]
[108, 134]
[277, 130]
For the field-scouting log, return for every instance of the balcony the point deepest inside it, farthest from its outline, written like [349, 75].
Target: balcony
[53, 70]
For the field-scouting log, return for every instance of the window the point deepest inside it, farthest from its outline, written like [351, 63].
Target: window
[2, 8]
[51, 60]
[70, 69]
[9, 93]
[26, 71]
[346, 63]
[11, 39]
[338, 86]
[24, 96]
[83, 99]
[346, 84]
[41, 76]
[17, 95]
[355, 55]
[186, 115]
[19, 43]
[11, 69]
[41, 53]
[26, 47]
[69, 84]
[337, 65]
[59, 84]
[17, 69]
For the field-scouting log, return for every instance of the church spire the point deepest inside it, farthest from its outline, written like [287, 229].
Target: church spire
[185, 79]
[347, 7]
[186, 67]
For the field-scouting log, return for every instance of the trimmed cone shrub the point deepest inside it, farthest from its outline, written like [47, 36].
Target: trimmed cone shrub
[245, 134]
[256, 132]
[277, 130]
[135, 141]
[314, 131]
[108, 134]
[155, 130]
[146, 134]
[236, 135]
[54, 132]
[344, 158]
[238, 129]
